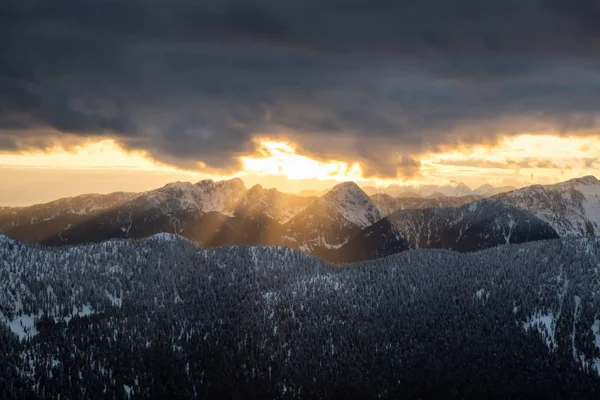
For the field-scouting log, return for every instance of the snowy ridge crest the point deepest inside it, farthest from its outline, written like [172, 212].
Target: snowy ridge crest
[572, 208]
[348, 201]
[204, 196]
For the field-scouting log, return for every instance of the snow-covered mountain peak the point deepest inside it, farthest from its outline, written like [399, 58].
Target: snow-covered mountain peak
[220, 196]
[351, 203]
[348, 185]
[232, 184]
[344, 191]
[589, 181]
[205, 182]
[176, 186]
[206, 195]
[571, 207]
[585, 180]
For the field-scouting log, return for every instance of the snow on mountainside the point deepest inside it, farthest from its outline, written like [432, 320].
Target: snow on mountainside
[479, 225]
[68, 206]
[348, 202]
[389, 205]
[208, 213]
[455, 189]
[173, 201]
[226, 213]
[271, 203]
[203, 211]
[168, 201]
[204, 196]
[175, 208]
[572, 208]
[331, 220]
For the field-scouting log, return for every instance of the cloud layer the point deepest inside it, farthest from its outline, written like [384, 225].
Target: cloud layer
[376, 81]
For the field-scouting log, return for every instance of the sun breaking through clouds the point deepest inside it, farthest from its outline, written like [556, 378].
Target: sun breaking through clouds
[196, 83]
[428, 91]
[278, 158]
[104, 166]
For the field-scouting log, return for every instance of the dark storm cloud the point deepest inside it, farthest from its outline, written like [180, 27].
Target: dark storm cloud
[374, 81]
[408, 167]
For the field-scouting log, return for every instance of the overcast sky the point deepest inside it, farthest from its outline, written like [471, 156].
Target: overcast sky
[378, 82]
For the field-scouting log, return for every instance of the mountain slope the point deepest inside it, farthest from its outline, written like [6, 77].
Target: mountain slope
[271, 203]
[343, 225]
[480, 225]
[348, 203]
[572, 208]
[388, 204]
[122, 215]
[203, 196]
[375, 241]
[43, 220]
[210, 213]
[332, 219]
[162, 318]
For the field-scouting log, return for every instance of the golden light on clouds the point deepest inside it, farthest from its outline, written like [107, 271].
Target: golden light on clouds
[101, 154]
[279, 158]
[103, 166]
[517, 161]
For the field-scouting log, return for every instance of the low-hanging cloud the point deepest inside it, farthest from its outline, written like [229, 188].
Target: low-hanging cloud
[367, 81]
[515, 164]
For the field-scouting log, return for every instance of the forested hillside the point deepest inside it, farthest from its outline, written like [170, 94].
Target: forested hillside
[162, 318]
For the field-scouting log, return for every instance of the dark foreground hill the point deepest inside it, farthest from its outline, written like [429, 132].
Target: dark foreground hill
[161, 318]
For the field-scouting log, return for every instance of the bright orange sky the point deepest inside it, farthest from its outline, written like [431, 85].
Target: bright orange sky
[102, 167]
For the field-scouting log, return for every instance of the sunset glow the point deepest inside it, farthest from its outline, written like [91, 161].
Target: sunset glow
[101, 154]
[514, 161]
[517, 161]
[280, 158]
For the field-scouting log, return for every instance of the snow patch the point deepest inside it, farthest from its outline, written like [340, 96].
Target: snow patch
[574, 331]
[349, 202]
[23, 326]
[545, 325]
[482, 294]
[115, 301]
[596, 331]
[86, 310]
[128, 390]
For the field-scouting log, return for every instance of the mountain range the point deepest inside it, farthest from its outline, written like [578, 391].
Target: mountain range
[572, 208]
[389, 204]
[343, 225]
[455, 189]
